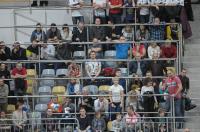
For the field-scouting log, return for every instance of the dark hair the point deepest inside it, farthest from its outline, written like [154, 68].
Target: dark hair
[147, 80]
[53, 24]
[92, 52]
[19, 103]
[65, 26]
[38, 24]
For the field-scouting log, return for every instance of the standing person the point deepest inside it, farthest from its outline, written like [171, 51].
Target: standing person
[174, 87]
[19, 74]
[75, 12]
[19, 118]
[116, 97]
[3, 94]
[186, 101]
[84, 122]
[115, 13]
[130, 120]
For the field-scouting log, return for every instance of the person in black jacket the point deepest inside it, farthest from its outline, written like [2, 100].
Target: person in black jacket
[18, 53]
[79, 35]
[4, 51]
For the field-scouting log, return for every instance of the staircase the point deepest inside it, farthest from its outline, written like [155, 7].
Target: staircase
[191, 62]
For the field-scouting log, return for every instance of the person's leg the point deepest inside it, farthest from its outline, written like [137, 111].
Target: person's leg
[178, 114]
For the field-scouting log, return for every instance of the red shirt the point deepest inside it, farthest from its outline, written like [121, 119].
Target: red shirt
[20, 72]
[114, 3]
[169, 52]
[172, 85]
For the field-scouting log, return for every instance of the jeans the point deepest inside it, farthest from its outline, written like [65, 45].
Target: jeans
[177, 108]
[116, 18]
[117, 108]
[144, 18]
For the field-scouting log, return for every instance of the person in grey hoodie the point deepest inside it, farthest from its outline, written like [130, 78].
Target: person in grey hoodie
[4, 90]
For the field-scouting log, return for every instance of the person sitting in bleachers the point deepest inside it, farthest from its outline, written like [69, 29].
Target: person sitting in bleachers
[138, 66]
[84, 121]
[97, 47]
[135, 82]
[53, 34]
[142, 34]
[66, 33]
[128, 32]
[157, 31]
[85, 101]
[34, 50]
[19, 74]
[19, 118]
[74, 87]
[117, 124]
[4, 91]
[38, 34]
[122, 81]
[93, 67]
[130, 120]
[49, 124]
[101, 104]
[98, 123]
[132, 98]
[54, 105]
[5, 53]
[139, 48]
[97, 31]
[18, 53]
[5, 123]
[74, 69]
[153, 48]
[168, 50]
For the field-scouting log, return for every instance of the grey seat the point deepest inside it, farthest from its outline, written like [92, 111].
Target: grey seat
[47, 82]
[79, 54]
[48, 73]
[44, 90]
[124, 71]
[41, 107]
[35, 120]
[60, 72]
[110, 54]
[93, 90]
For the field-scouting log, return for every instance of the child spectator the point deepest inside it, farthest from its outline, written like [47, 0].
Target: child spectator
[116, 96]
[162, 120]
[117, 124]
[98, 123]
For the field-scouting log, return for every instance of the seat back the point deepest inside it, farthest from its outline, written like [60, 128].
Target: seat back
[48, 73]
[41, 107]
[79, 54]
[61, 72]
[57, 90]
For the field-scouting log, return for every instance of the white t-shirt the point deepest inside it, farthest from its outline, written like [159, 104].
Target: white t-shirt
[93, 67]
[116, 90]
[48, 53]
[147, 89]
[144, 11]
[151, 50]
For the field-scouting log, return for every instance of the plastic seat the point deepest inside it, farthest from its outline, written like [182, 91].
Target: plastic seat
[44, 90]
[41, 107]
[58, 90]
[93, 90]
[110, 54]
[104, 88]
[35, 119]
[29, 90]
[31, 72]
[10, 108]
[47, 82]
[48, 73]
[60, 72]
[79, 54]
[124, 71]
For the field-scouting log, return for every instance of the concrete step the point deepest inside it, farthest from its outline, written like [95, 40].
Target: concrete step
[193, 45]
[192, 53]
[192, 64]
[191, 58]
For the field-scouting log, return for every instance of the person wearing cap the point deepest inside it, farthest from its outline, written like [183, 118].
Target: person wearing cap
[53, 34]
[4, 51]
[18, 53]
[38, 34]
